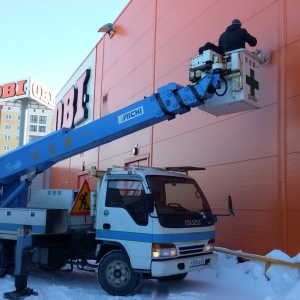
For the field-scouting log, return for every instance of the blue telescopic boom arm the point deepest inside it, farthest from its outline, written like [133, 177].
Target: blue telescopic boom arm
[38, 156]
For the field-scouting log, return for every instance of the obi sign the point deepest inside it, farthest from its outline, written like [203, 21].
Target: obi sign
[27, 88]
[13, 89]
[72, 109]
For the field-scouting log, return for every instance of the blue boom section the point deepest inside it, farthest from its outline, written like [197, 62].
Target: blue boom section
[40, 155]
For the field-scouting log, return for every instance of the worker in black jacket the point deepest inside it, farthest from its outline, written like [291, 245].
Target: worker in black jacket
[235, 37]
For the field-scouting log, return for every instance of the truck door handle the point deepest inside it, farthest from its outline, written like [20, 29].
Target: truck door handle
[106, 226]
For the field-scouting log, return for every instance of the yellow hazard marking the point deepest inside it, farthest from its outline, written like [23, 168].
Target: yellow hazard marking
[82, 202]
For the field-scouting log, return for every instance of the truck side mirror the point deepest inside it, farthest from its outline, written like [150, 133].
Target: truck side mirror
[230, 209]
[150, 203]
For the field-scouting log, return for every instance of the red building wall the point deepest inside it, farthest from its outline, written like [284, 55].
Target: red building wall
[254, 156]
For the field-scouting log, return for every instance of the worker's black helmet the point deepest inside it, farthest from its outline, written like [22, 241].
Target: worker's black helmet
[236, 22]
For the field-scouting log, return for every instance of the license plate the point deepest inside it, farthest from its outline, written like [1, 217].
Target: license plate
[196, 262]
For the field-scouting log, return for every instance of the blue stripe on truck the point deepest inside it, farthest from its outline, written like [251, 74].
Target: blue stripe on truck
[13, 228]
[154, 238]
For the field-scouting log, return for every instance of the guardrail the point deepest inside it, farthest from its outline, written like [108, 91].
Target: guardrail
[268, 261]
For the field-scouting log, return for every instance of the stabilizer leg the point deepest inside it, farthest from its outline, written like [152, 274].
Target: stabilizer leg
[24, 253]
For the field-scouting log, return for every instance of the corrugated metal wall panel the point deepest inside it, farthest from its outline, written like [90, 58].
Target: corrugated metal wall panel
[293, 186]
[293, 124]
[293, 29]
[293, 225]
[293, 69]
[252, 184]
[60, 175]
[132, 25]
[124, 146]
[244, 137]
[254, 230]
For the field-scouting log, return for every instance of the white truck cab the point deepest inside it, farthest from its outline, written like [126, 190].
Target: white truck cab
[158, 218]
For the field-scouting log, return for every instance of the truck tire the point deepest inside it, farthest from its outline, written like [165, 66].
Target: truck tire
[115, 274]
[3, 269]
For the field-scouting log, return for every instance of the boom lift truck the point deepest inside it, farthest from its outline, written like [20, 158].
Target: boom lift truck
[143, 222]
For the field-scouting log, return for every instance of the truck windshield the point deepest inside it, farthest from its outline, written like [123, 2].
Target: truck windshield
[179, 200]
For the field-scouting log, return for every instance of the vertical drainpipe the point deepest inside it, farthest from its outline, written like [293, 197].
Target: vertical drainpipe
[282, 123]
[101, 84]
[153, 77]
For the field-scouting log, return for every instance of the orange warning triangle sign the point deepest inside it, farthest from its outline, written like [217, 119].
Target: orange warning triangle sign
[82, 202]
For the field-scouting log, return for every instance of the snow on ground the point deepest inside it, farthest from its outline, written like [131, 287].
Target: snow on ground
[227, 280]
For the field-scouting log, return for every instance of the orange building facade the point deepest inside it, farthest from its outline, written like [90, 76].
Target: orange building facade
[253, 156]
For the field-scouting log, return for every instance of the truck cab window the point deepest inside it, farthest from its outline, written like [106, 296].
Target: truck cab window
[178, 199]
[130, 195]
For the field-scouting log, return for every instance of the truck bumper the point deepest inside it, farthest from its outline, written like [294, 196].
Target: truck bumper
[161, 268]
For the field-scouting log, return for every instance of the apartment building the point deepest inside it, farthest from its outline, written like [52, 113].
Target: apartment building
[38, 123]
[9, 128]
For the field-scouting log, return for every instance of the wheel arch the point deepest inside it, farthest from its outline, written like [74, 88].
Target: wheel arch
[107, 246]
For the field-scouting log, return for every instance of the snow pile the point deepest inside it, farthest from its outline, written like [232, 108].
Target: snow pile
[282, 282]
[228, 280]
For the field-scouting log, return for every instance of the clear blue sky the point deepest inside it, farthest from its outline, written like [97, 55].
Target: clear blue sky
[49, 39]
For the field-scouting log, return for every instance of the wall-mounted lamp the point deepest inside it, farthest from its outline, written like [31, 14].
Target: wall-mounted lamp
[107, 28]
[135, 149]
[83, 166]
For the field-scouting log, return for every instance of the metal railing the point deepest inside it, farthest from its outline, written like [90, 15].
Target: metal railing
[268, 261]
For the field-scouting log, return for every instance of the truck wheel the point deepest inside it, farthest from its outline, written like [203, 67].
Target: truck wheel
[3, 269]
[115, 274]
[174, 277]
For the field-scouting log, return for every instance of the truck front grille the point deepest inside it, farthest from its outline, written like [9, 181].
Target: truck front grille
[190, 250]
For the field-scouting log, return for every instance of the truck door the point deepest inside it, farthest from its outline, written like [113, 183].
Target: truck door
[126, 220]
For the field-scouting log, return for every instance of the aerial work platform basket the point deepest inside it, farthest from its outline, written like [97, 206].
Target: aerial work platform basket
[240, 84]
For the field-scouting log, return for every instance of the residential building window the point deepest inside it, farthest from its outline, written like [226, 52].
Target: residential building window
[18, 127]
[33, 128]
[33, 119]
[19, 118]
[43, 120]
[33, 138]
[42, 128]
[7, 137]
[8, 117]
[17, 138]
[7, 127]
[6, 148]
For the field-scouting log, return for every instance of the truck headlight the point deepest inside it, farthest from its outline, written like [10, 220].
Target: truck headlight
[210, 245]
[163, 250]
